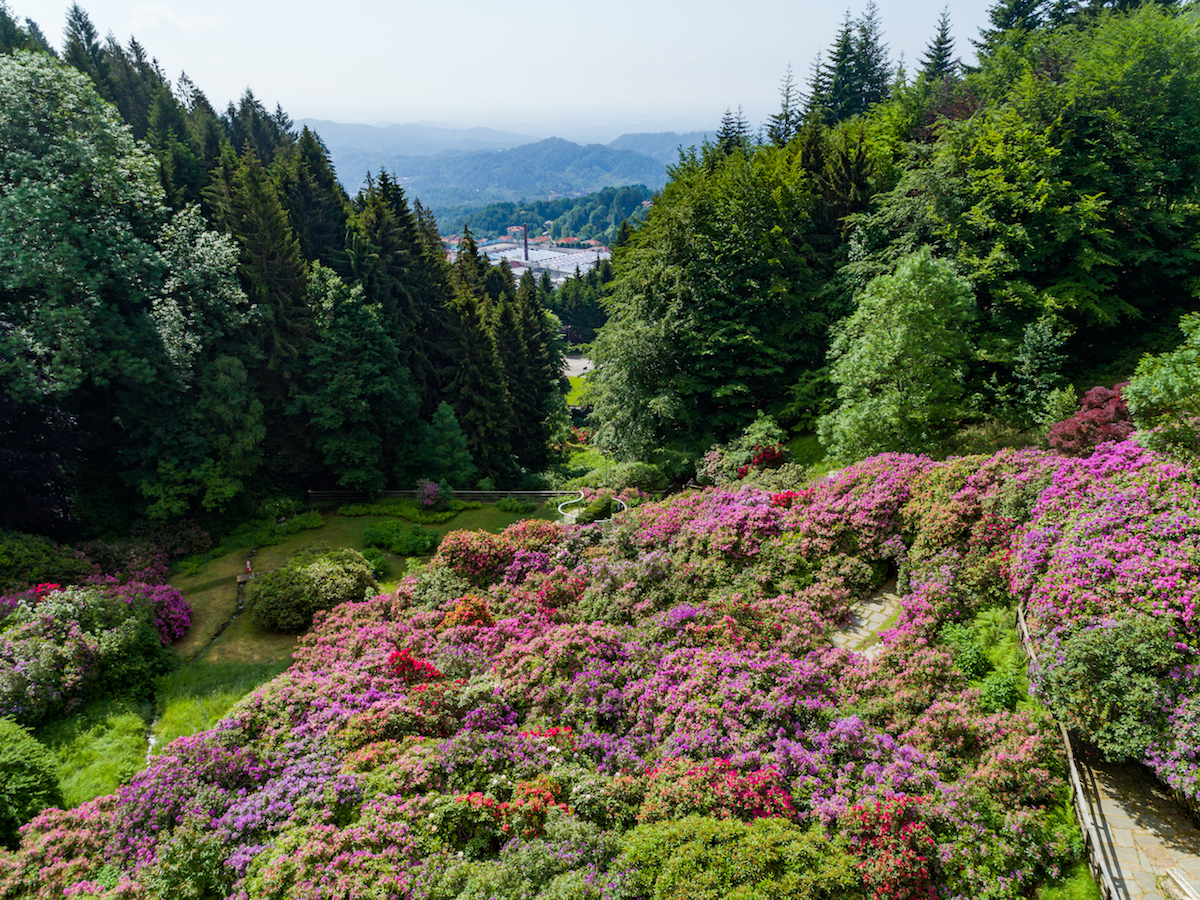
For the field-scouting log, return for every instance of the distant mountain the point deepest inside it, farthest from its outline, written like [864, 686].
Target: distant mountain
[662, 145]
[359, 149]
[549, 168]
[412, 139]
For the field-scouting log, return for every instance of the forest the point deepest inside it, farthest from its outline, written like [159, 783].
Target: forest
[928, 339]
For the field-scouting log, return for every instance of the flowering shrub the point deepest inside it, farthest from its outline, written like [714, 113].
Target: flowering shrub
[410, 670]
[896, 850]
[655, 706]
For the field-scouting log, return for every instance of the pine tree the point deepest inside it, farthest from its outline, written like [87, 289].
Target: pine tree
[1007, 16]
[316, 202]
[250, 123]
[81, 49]
[444, 453]
[474, 381]
[873, 70]
[938, 61]
[734, 133]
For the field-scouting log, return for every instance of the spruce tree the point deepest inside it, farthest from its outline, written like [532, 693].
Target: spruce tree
[81, 49]
[444, 454]
[316, 202]
[734, 133]
[872, 69]
[1007, 17]
[938, 61]
[783, 125]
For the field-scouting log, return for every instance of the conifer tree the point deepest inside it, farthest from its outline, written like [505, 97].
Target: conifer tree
[734, 133]
[316, 202]
[1007, 16]
[938, 61]
[444, 453]
[872, 69]
[783, 125]
[474, 381]
[81, 49]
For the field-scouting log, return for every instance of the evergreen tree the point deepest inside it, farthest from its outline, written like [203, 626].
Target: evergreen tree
[734, 133]
[1008, 16]
[938, 61]
[872, 69]
[354, 397]
[316, 202]
[169, 135]
[249, 123]
[444, 454]
[81, 49]
[783, 125]
[474, 381]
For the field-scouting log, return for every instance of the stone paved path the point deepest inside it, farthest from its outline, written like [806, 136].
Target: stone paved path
[1139, 829]
[866, 619]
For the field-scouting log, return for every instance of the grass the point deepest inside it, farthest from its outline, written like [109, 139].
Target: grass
[196, 696]
[98, 749]
[1076, 884]
[576, 392]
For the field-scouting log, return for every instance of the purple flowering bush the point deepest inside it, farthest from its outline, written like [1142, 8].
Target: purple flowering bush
[593, 711]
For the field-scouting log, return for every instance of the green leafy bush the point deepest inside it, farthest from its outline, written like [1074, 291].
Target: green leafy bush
[702, 858]
[28, 783]
[287, 598]
[27, 559]
[513, 505]
[643, 476]
[403, 540]
[599, 509]
[379, 564]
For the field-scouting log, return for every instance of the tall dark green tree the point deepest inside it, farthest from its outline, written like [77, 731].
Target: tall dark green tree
[81, 49]
[938, 61]
[474, 381]
[316, 202]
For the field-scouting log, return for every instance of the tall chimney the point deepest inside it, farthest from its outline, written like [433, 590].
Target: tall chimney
[526, 230]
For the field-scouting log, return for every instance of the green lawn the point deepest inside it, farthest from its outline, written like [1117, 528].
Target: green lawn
[576, 392]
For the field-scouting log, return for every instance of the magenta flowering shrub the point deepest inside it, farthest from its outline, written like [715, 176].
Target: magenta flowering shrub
[500, 724]
[1108, 568]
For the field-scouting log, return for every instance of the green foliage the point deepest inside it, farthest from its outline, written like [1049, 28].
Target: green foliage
[98, 748]
[287, 598]
[899, 361]
[640, 475]
[700, 858]
[711, 309]
[512, 504]
[1113, 682]
[271, 533]
[379, 563]
[1164, 395]
[402, 540]
[28, 783]
[599, 509]
[27, 560]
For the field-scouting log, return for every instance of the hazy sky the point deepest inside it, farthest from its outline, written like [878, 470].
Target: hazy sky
[580, 71]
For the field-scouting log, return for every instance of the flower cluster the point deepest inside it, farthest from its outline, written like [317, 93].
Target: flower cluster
[568, 699]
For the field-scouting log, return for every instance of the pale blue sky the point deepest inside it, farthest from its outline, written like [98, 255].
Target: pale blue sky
[577, 70]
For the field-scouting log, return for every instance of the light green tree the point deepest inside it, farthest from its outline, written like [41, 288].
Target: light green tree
[898, 362]
[1164, 394]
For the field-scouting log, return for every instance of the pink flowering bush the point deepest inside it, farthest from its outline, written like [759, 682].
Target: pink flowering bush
[600, 712]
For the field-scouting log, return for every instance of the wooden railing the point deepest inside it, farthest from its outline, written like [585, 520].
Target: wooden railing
[1097, 859]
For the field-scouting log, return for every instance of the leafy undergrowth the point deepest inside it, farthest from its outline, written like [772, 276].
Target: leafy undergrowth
[197, 695]
[97, 749]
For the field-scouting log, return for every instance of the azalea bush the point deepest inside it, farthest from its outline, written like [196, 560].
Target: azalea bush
[655, 708]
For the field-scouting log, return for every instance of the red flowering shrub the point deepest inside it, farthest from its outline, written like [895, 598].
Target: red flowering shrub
[1102, 417]
[411, 670]
[769, 457]
[476, 556]
[896, 850]
[470, 609]
[717, 788]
